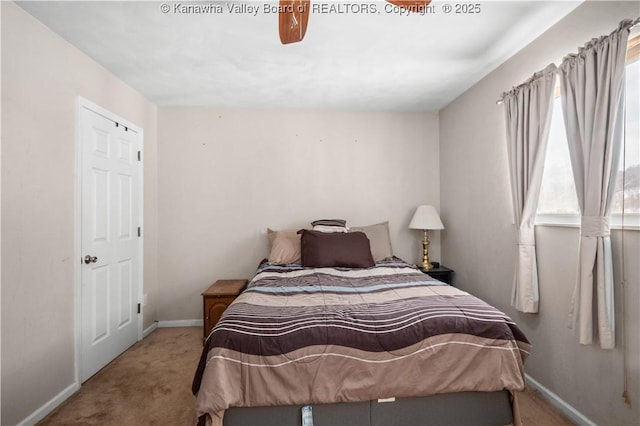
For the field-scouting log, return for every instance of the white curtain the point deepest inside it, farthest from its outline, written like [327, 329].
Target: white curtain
[528, 110]
[593, 107]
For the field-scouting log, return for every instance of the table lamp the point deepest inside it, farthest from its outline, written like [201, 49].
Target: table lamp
[425, 218]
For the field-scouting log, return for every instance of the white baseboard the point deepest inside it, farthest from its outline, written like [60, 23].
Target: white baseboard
[181, 323]
[47, 408]
[559, 403]
[147, 331]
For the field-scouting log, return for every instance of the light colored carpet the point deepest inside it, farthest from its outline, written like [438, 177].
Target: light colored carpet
[150, 384]
[536, 410]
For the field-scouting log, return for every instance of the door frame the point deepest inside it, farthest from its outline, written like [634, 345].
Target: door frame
[82, 103]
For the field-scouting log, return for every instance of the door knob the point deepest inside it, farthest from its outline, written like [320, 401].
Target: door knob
[90, 259]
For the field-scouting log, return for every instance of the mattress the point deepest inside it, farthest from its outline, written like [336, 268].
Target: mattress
[300, 336]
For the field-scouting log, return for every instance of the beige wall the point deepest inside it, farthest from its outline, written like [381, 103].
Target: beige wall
[225, 176]
[0, 220]
[41, 77]
[480, 238]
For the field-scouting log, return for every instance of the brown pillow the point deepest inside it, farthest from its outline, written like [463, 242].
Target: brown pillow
[379, 239]
[285, 247]
[349, 250]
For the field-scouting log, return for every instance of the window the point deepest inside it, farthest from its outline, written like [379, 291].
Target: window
[629, 195]
[558, 203]
[558, 192]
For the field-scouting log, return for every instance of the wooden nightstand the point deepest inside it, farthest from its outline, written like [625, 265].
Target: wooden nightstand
[217, 298]
[441, 273]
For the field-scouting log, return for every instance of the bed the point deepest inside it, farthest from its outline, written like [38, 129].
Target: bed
[360, 345]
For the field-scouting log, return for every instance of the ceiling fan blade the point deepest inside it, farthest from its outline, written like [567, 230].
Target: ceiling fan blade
[293, 16]
[417, 6]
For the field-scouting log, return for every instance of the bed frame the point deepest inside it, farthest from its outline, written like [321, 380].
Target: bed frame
[461, 408]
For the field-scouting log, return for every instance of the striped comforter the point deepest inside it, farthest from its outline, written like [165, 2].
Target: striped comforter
[319, 335]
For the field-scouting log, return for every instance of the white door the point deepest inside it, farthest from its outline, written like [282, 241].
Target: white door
[110, 257]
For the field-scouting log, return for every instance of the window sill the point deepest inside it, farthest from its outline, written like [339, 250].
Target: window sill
[631, 221]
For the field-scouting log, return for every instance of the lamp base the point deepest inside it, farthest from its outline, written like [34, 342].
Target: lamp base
[435, 266]
[426, 264]
[426, 268]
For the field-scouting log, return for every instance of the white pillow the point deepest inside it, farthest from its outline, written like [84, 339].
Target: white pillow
[330, 229]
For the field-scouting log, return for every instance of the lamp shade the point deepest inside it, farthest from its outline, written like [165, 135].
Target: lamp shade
[426, 217]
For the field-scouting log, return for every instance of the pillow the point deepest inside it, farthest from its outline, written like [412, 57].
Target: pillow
[327, 228]
[379, 239]
[322, 249]
[285, 247]
[329, 222]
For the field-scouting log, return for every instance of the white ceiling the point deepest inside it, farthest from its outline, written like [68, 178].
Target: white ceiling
[347, 61]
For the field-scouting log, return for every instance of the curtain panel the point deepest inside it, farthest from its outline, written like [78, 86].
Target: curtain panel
[528, 110]
[592, 87]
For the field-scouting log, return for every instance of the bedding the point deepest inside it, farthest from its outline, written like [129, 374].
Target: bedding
[330, 229]
[301, 335]
[329, 222]
[330, 225]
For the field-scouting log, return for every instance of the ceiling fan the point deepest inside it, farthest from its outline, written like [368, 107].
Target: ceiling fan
[293, 16]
